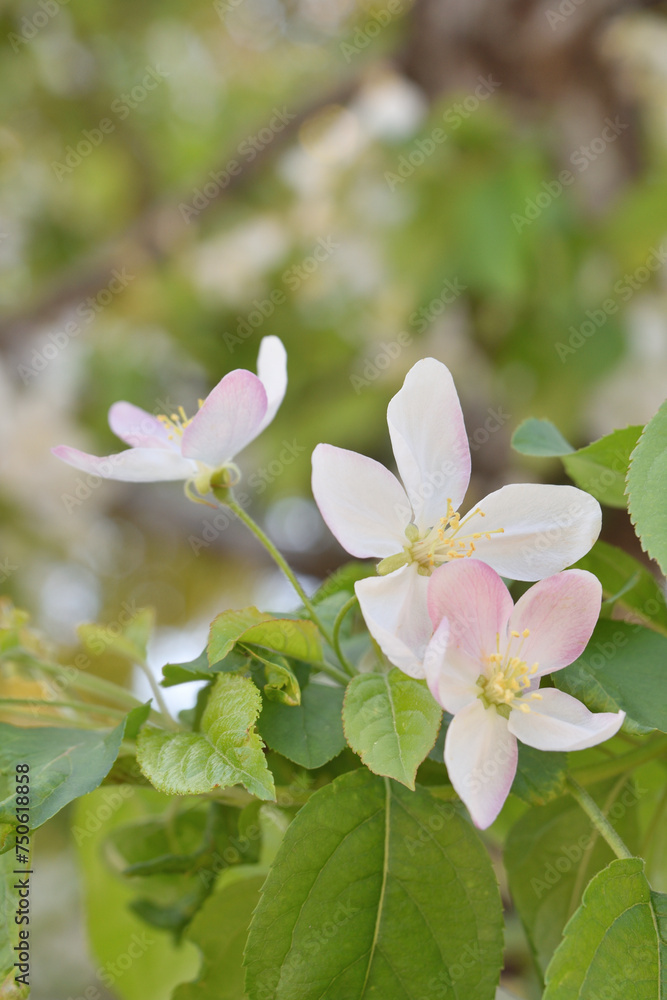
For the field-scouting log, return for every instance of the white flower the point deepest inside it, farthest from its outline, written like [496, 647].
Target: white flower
[484, 665]
[173, 447]
[525, 532]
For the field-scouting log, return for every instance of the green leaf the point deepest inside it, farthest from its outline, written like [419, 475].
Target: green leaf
[602, 466]
[199, 669]
[64, 763]
[540, 438]
[391, 721]
[647, 488]
[281, 682]
[287, 636]
[376, 892]
[309, 734]
[342, 581]
[219, 931]
[227, 751]
[540, 776]
[623, 666]
[127, 637]
[162, 844]
[544, 853]
[154, 964]
[228, 628]
[615, 569]
[615, 945]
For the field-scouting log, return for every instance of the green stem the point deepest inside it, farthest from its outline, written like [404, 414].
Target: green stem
[79, 706]
[581, 878]
[591, 773]
[325, 668]
[91, 684]
[597, 818]
[167, 717]
[224, 497]
[335, 635]
[55, 720]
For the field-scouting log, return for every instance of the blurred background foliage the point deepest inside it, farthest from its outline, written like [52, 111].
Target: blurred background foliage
[371, 182]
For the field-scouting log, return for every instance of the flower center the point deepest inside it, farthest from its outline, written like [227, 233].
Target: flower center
[507, 677]
[437, 545]
[177, 422]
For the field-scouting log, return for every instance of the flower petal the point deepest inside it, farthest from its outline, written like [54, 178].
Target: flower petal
[230, 418]
[363, 504]
[394, 607]
[272, 373]
[138, 428]
[560, 613]
[429, 441]
[481, 756]
[450, 674]
[136, 465]
[544, 529]
[476, 603]
[560, 722]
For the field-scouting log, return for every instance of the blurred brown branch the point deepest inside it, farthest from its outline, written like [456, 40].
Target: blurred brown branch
[155, 233]
[543, 59]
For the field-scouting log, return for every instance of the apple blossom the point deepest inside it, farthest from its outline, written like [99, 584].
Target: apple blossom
[197, 449]
[484, 664]
[524, 531]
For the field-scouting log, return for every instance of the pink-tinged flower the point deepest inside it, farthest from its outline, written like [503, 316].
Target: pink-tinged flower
[484, 664]
[174, 447]
[525, 532]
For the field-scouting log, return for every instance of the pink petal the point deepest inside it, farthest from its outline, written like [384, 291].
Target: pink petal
[136, 465]
[230, 418]
[394, 607]
[450, 674]
[272, 373]
[363, 504]
[560, 613]
[475, 601]
[481, 756]
[429, 441]
[138, 428]
[560, 722]
[545, 529]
